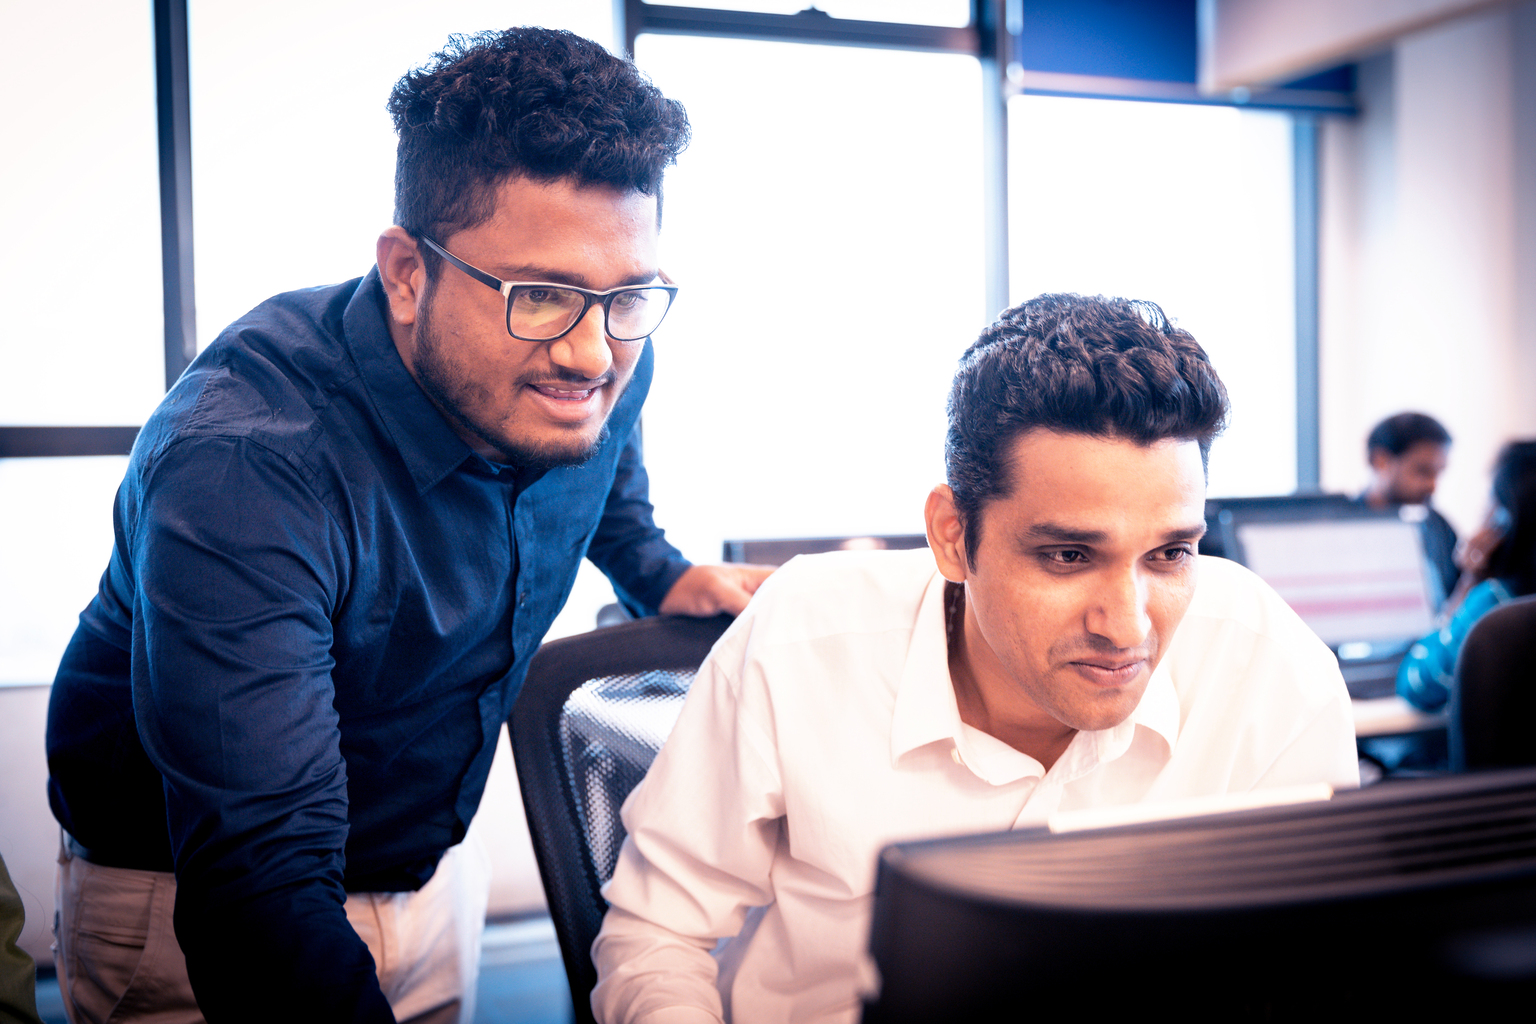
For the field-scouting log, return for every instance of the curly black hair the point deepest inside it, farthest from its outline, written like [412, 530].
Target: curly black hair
[531, 102]
[1100, 366]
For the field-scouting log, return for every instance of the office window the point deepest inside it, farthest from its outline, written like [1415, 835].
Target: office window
[1191, 207]
[293, 151]
[826, 228]
[953, 13]
[83, 336]
[83, 339]
[293, 162]
[56, 521]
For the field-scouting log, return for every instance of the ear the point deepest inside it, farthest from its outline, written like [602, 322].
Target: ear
[945, 537]
[403, 275]
[1381, 460]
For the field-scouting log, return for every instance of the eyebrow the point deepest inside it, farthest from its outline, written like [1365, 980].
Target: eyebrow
[1064, 534]
[549, 275]
[1059, 534]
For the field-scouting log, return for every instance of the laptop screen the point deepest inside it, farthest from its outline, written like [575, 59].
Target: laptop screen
[1350, 579]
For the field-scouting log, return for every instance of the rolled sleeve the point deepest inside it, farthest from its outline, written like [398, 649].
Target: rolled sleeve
[630, 549]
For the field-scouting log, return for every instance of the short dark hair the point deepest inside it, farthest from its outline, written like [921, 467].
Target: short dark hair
[1396, 434]
[1080, 365]
[1514, 488]
[532, 102]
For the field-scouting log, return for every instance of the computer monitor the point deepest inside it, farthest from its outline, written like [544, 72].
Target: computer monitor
[777, 551]
[1360, 579]
[1357, 576]
[1408, 896]
[1284, 505]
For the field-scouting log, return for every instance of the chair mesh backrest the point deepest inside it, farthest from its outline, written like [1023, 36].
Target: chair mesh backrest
[591, 716]
[610, 731]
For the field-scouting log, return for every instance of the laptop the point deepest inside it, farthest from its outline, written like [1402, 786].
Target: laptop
[1358, 577]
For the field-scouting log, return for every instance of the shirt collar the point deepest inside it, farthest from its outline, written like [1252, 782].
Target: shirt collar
[926, 711]
[427, 444]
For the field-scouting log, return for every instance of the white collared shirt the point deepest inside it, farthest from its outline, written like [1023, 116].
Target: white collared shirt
[824, 726]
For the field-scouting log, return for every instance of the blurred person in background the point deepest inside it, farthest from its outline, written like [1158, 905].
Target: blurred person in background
[1499, 565]
[1407, 453]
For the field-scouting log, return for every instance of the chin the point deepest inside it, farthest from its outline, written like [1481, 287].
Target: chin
[548, 454]
[1095, 720]
[1108, 714]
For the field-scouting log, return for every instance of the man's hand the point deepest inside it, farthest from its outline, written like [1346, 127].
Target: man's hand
[706, 590]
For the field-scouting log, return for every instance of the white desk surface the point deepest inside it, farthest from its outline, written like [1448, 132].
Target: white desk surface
[1389, 716]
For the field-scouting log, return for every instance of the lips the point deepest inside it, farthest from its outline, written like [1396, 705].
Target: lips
[1110, 673]
[573, 404]
[563, 394]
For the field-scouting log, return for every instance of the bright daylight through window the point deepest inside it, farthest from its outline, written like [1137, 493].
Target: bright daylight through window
[825, 228]
[1191, 207]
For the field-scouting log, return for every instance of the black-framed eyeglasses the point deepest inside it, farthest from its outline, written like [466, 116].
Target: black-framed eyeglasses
[540, 311]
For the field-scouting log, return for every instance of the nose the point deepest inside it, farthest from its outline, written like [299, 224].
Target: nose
[1119, 614]
[584, 351]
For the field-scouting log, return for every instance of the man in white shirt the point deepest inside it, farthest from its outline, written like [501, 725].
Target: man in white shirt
[1061, 646]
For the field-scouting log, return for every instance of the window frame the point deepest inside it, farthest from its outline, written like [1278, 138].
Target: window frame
[993, 36]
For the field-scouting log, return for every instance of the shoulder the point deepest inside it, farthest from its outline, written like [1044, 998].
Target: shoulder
[1238, 628]
[251, 412]
[840, 593]
[848, 615]
[264, 377]
[1489, 594]
[1232, 593]
[1261, 699]
[1433, 520]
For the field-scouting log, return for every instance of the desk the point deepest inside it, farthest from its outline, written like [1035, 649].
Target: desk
[1393, 716]
[1396, 738]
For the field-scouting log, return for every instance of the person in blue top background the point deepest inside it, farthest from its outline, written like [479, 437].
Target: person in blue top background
[1499, 564]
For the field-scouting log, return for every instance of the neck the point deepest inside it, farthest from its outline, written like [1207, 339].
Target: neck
[986, 700]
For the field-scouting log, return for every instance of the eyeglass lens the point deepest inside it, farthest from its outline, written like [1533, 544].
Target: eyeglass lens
[537, 312]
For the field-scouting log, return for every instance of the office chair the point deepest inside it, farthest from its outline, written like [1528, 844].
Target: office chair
[591, 716]
[1493, 704]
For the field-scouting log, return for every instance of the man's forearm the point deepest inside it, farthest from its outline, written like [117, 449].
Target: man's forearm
[287, 955]
[649, 975]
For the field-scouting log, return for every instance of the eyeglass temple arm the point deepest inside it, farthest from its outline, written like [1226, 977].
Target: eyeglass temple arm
[474, 272]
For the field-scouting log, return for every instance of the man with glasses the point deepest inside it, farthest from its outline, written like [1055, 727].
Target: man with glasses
[340, 539]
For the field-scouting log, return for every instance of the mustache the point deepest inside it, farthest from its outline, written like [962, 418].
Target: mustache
[562, 375]
[1091, 645]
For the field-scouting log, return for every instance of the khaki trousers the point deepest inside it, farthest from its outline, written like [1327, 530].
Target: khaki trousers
[118, 959]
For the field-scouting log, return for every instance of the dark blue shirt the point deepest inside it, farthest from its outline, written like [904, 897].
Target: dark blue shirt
[318, 610]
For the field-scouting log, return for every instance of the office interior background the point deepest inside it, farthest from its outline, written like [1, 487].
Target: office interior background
[836, 229]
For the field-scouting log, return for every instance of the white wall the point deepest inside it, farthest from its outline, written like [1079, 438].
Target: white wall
[1429, 199]
[1254, 42]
